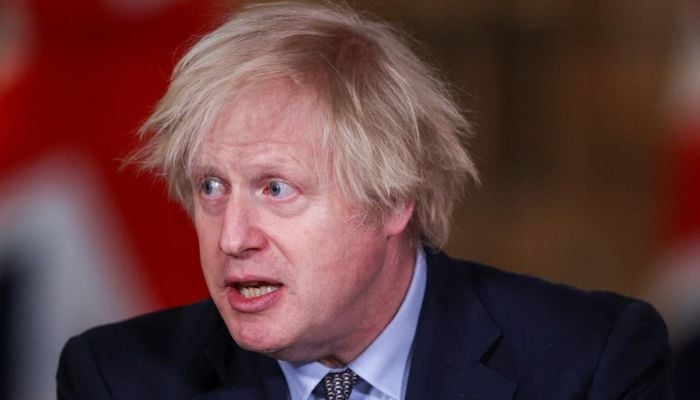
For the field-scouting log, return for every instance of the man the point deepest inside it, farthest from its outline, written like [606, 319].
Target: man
[319, 159]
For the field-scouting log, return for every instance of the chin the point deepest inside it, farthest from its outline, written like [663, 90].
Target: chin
[277, 348]
[258, 341]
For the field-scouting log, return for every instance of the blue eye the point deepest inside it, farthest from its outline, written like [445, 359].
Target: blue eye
[278, 189]
[212, 187]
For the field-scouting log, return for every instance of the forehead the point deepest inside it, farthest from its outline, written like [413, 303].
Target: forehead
[272, 111]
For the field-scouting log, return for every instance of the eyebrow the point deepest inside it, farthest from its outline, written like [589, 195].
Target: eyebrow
[277, 167]
[198, 171]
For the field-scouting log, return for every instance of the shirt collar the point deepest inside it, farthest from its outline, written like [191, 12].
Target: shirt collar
[387, 374]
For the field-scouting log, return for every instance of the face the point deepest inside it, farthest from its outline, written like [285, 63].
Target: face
[287, 261]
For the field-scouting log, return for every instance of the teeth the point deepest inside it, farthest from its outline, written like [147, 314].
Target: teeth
[251, 292]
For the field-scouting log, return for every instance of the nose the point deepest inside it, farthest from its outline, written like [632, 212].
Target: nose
[241, 233]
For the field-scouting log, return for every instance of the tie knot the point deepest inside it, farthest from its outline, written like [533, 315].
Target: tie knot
[338, 385]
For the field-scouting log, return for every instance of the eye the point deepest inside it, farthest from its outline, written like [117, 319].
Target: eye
[278, 189]
[212, 187]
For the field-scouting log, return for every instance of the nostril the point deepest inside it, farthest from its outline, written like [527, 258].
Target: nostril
[242, 255]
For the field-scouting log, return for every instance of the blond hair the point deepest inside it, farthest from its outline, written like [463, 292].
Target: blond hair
[393, 128]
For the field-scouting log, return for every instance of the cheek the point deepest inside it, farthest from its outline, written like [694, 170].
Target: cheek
[207, 228]
[346, 258]
[208, 243]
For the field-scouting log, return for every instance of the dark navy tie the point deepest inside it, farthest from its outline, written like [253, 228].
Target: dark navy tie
[338, 385]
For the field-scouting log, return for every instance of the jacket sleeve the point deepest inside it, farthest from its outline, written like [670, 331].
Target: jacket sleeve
[635, 361]
[78, 375]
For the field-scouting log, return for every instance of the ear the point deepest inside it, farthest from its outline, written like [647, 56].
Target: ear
[397, 219]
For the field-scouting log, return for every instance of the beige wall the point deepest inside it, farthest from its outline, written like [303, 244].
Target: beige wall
[567, 100]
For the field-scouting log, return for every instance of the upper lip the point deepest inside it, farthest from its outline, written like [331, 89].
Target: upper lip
[249, 279]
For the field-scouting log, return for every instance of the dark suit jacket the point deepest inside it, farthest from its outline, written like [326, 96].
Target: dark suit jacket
[482, 334]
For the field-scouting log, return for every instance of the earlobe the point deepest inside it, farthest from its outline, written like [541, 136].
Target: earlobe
[397, 219]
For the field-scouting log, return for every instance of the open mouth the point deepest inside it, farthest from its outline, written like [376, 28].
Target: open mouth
[254, 289]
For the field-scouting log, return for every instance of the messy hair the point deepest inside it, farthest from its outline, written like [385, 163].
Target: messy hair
[393, 127]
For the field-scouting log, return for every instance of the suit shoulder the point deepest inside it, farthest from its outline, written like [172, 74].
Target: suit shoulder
[143, 357]
[557, 339]
[555, 312]
[160, 328]
[503, 291]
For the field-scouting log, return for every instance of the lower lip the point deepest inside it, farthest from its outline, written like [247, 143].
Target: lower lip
[258, 304]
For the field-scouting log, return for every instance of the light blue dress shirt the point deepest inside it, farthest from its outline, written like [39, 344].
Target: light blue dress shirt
[384, 366]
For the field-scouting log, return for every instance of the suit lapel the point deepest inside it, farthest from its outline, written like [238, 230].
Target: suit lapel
[244, 375]
[454, 333]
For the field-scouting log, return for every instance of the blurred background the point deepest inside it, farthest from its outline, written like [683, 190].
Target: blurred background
[587, 116]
